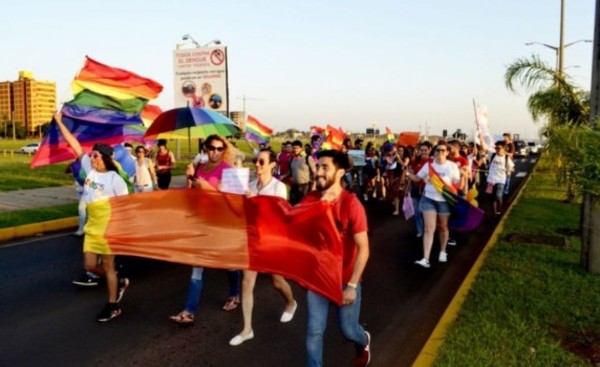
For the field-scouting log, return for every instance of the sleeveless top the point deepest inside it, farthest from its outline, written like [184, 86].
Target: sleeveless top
[142, 173]
[164, 160]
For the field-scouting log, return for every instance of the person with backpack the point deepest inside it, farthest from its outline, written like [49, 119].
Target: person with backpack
[500, 167]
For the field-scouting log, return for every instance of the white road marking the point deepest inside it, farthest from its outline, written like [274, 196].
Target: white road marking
[521, 174]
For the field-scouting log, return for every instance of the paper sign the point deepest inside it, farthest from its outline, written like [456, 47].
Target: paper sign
[235, 180]
[358, 157]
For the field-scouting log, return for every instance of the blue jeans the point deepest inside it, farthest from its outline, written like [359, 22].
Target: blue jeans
[419, 221]
[197, 283]
[318, 308]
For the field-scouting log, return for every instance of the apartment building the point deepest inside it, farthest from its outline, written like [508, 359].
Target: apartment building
[28, 102]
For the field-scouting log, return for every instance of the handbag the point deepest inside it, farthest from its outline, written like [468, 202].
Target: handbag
[407, 207]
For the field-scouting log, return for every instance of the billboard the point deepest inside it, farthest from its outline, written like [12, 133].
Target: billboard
[200, 78]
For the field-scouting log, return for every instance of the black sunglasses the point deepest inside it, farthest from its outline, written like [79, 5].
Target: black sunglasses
[212, 148]
[261, 162]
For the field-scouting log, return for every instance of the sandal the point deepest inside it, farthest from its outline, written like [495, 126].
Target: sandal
[183, 318]
[232, 303]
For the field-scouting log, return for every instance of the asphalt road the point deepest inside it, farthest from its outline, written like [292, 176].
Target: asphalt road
[45, 320]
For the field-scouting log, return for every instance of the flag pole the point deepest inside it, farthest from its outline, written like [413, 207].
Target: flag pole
[476, 123]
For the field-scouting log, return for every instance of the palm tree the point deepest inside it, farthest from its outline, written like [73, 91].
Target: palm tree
[557, 100]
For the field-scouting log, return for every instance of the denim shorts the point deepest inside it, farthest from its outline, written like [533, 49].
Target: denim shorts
[499, 190]
[440, 207]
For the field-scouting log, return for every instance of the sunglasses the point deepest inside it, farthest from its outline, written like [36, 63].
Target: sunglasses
[95, 155]
[440, 150]
[261, 162]
[212, 148]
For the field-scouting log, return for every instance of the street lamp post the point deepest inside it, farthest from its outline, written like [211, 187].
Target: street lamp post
[187, 37]
[557, 50]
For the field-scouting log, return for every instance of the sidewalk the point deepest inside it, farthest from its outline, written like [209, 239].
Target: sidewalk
[50, 196]
[42, 198]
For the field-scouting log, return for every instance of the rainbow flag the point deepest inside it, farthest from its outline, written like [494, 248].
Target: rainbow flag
[111, 81]
[54, 148]
[257, 131]
[334, 139]
[93, 99]
[408, 138]
[106, 106]
[100, 115]
[390, 135]
[150, 113]
[224, 231]
[317, 130]
[464, 216]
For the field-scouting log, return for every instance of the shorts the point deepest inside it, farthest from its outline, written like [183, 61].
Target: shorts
[498, 191]
[440, 207]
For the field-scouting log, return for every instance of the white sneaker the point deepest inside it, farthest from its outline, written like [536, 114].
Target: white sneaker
[443, 257]
[423, 262]
[452, 242]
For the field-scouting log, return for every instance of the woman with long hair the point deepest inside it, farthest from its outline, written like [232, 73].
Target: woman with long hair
[265, 184]
[103, 181]
[207, 176]
[436, 210]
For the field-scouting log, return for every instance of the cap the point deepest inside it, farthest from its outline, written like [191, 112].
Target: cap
[104, 149]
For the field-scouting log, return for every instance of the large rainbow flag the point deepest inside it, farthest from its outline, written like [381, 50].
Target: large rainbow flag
[389, 135]
[106, 107]
[464, 216]
[257, 131]
[224, 231]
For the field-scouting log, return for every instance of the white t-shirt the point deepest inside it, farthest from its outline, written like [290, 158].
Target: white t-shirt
[273, 188]
[498, 167]
[103, 185]
[448, 172]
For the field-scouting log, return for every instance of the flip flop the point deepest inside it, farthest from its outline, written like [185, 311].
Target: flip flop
[232, 303]
[183, 318]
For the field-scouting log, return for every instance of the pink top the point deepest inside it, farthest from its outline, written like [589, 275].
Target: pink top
[213, 177]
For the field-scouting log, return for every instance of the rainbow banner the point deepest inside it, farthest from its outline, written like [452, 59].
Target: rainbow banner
[107, 104]
[257, 131]
[464, 216]
[224, 231]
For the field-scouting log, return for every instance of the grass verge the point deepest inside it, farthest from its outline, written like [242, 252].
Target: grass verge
[531, 304]
[21, 217]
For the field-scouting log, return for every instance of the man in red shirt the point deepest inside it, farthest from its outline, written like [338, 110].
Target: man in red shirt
[351, 221]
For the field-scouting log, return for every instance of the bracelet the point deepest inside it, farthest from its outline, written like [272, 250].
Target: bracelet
[352, 285]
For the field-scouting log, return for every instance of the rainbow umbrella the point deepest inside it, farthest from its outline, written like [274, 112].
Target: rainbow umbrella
[190, 122]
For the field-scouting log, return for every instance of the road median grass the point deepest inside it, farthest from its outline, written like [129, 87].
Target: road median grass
[531, 304]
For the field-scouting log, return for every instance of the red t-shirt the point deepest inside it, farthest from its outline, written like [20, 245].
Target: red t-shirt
[351, 222]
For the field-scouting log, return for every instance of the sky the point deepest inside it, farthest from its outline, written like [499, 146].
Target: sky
[407, 65]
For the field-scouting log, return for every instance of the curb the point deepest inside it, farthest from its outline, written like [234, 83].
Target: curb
[34, 229]
[430, 350]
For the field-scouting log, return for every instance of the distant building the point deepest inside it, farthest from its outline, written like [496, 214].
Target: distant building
[239, 117]
[28, 102]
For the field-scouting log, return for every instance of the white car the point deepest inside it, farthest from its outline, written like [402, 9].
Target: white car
[30, 148]
[533, 147]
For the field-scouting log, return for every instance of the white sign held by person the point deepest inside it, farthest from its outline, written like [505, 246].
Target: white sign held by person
[358, 157]
[235, 180]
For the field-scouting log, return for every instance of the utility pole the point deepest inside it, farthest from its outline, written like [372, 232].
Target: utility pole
[590, 213]
[561, 46]
[244, 98]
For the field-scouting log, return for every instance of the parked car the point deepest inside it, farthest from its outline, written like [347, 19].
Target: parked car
[30, 148]
[521, 148]
[533, 148]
